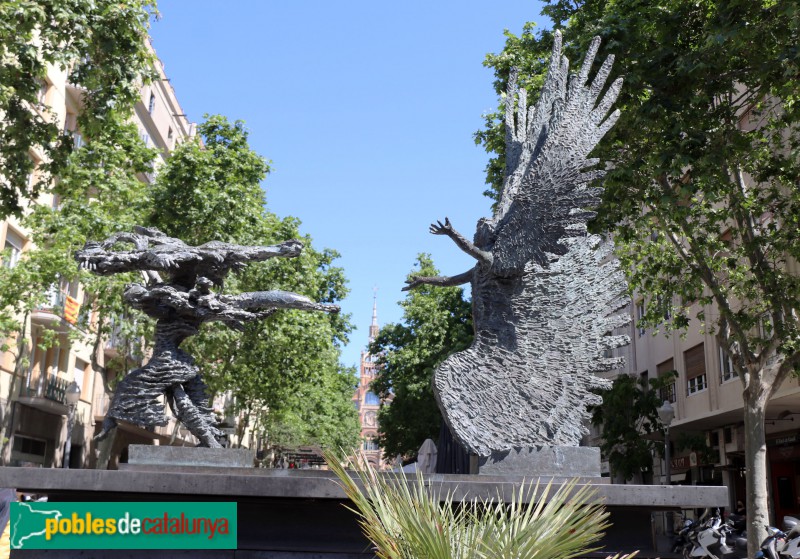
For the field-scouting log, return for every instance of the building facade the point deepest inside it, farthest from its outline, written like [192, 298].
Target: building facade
[33, 388]
[368, 403]
[707, 398]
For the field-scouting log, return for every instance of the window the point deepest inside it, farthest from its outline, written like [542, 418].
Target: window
[371, 399]
[169, 133]
[41, 95]
[152, 106]
[71, 128]
[145, 138]
[765, 327]
[80, 374]
[370, 445]
[726, 370]
[34, 175]
[14, 243]
[727, 435]
[640, 316]
[694, 360]
[665, 306]
[668, 391]
[29, 446]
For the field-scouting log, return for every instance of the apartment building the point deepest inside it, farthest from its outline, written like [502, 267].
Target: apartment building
[37, 392]
[706, 396]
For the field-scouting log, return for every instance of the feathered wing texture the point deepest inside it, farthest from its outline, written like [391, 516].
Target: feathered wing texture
[546, 186]
[545, 305]
[496, 397]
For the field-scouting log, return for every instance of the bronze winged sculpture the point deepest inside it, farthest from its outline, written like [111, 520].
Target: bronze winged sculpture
[180, 305]
[544, 291]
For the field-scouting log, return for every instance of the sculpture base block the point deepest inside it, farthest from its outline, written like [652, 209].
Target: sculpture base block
[301, 514]
[543, 461]
[142, 456]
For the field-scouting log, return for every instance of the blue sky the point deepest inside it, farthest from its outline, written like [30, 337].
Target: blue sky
[366, 110]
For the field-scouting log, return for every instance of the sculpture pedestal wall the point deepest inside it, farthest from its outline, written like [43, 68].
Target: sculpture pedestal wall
[301, 514]
[171, 456]
[544, 461]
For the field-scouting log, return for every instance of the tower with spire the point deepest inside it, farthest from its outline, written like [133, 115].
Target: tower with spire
[373, 327]
[367, 402]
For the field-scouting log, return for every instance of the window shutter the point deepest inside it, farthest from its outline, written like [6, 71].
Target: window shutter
[695, 362]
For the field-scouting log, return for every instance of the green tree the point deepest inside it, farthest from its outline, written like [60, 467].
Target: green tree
[703, 192]
[216, 177]
[437, 321]
[101, 44]
[628, 412]
[283, 371]
[97, 194]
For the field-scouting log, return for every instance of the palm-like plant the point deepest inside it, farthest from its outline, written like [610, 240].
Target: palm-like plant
[410, 519]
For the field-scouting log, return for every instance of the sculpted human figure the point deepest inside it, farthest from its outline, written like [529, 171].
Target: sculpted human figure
[180, 305]
[543, 289]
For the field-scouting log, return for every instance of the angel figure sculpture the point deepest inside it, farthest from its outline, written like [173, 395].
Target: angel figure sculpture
[544, 291]
[180, 305]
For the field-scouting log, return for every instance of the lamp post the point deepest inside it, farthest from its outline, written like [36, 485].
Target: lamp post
[666, 413]
[72, 394]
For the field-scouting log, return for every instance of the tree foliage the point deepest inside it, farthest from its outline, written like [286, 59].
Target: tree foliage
[283, 370]
[437, 321]
[216, 177]
[292, 366]
[702, 194]
[627, 414]
[98, 193]
[100, 44]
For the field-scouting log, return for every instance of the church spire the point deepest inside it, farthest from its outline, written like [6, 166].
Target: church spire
[373, 328]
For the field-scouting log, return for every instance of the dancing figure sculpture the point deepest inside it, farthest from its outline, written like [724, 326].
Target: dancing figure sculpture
[543, 290]
[180, 305]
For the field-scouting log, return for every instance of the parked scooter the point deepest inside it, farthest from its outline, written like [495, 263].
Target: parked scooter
[681, 540]
[716, 539]
[776, 539]
[791, 547]
[781, 544]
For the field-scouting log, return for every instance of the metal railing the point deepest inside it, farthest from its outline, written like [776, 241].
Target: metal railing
[50, 387]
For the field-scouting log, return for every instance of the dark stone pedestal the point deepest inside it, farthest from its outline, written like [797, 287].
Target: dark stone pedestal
[301, 514]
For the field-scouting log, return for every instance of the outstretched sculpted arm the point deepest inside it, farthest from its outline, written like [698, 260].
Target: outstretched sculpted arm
[446, 229]
[441, 281]
[164, 254]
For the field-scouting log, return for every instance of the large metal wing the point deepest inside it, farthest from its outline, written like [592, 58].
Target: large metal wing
[546, 190]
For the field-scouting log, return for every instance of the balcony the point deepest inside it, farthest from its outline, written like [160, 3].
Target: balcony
[47, 393]
[58, 307]
[117, 345]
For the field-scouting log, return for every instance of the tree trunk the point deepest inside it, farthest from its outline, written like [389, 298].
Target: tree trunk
[755, 441]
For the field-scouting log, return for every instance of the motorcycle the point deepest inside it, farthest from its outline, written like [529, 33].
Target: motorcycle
[781, 544]
[682, 536]
[791, 547]
[776, 539]
[716, 539]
